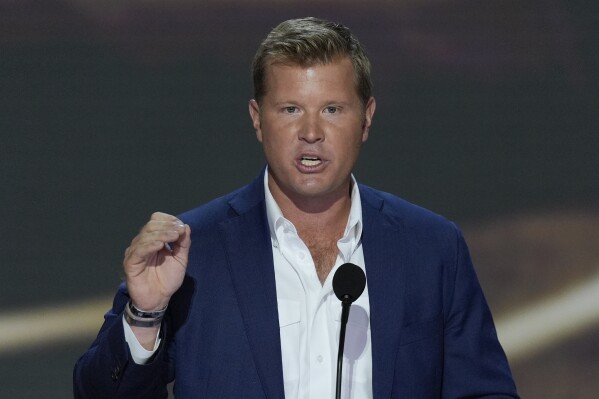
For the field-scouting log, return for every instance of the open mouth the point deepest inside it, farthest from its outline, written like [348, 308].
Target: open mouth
[310, 161]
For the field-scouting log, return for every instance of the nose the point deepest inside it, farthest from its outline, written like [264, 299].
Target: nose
[311, 130]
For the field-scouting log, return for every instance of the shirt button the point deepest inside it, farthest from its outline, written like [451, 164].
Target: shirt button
[319, 358]
[302, 255]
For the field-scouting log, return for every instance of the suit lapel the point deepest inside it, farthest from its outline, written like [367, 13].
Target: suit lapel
[385, 254]
[249, 250]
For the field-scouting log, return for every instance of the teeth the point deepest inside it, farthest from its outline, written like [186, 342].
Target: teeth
[309, 161]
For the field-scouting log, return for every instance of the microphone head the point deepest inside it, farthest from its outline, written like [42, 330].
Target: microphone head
[349, 282]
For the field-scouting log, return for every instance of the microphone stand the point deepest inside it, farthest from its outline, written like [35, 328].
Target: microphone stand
[345, 304]
[349, 282]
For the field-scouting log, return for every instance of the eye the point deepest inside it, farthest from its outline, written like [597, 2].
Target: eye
[290, 110]
[331, 109]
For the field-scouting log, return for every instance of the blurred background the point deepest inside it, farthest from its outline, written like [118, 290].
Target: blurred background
[487, 113]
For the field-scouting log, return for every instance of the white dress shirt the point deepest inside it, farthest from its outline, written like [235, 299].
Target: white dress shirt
[309, 313]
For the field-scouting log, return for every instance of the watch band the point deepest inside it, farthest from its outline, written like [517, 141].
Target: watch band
[143, 314]
[139, 318]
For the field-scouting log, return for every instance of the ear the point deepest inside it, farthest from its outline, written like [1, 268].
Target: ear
[368, 115]
[255, 115]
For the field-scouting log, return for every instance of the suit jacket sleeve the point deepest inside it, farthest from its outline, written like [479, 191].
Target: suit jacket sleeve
[107, 370]
[475, 365]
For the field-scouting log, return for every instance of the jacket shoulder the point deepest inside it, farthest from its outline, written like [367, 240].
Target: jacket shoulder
[406, 214]
[210, 214]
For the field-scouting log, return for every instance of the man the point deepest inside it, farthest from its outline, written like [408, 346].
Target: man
[248, 311]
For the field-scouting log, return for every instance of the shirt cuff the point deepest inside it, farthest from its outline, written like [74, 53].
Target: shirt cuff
[139, 354]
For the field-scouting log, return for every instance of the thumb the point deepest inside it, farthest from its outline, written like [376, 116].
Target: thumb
[182, 245]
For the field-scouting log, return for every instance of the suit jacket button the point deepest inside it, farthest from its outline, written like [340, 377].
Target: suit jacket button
[115, 373]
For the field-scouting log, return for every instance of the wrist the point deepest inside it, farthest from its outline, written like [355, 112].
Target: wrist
[142, 318]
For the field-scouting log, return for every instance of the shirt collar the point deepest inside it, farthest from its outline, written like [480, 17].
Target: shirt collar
[353, 229]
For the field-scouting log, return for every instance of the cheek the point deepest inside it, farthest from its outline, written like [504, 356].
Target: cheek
[273, 149]
[354, 143]
[351, 149]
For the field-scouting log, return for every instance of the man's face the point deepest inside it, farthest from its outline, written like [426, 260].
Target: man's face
[311, 124]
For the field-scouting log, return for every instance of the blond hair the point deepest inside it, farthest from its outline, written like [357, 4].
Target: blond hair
[309, 41]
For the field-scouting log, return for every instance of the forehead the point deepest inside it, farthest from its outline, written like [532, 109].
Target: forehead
[337, 74]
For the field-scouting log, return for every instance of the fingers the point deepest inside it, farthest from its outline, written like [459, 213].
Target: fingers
[155, 235]
[162, 221]
[161, 224]
[165, 217]
[138, 252]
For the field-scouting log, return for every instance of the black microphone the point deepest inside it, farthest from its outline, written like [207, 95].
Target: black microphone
[349, 282]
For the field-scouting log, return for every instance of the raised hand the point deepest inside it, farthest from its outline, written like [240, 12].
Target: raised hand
[156, 261]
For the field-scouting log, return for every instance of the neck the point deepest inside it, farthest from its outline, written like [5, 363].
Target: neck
[325, 213]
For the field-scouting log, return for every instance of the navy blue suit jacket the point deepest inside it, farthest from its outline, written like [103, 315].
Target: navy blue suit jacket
[431, 329]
